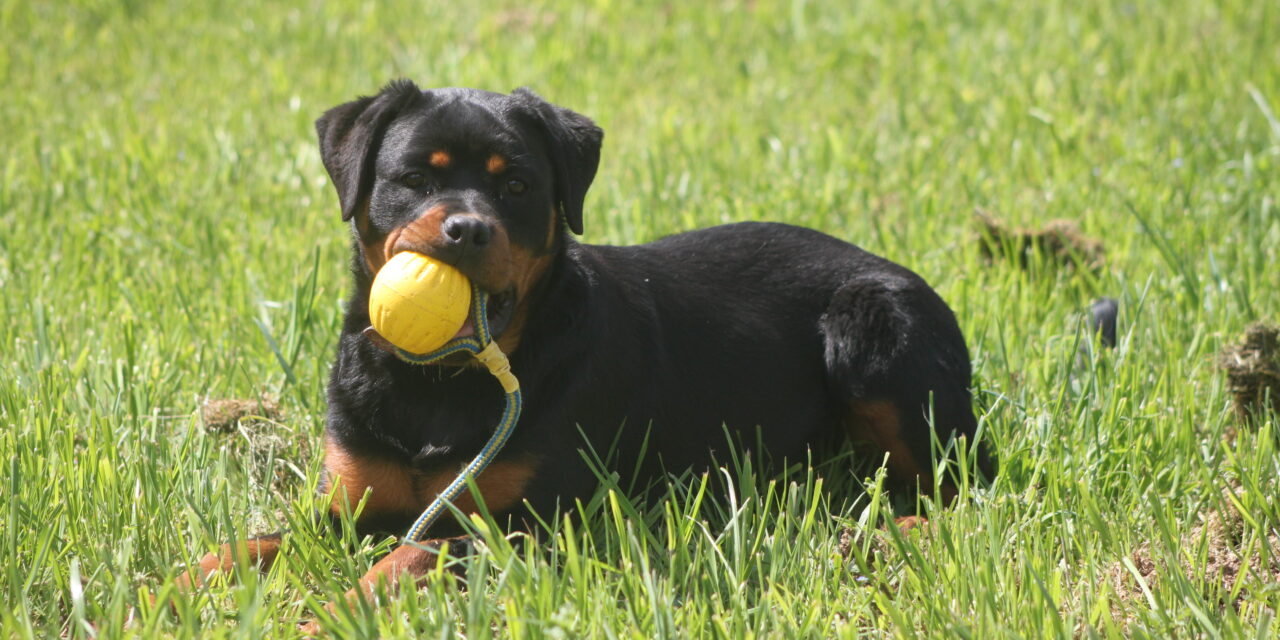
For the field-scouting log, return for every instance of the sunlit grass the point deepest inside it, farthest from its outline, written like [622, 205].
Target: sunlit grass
[167, 234]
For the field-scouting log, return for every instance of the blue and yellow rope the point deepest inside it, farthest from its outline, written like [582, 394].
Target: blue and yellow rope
[483, 348]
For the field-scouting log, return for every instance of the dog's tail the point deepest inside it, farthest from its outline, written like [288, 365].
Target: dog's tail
[891, 341]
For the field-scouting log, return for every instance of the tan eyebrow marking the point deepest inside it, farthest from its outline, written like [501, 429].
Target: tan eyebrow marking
[496, 163]
[440, 159]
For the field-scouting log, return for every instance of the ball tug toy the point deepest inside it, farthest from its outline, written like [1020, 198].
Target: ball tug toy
[419, 305]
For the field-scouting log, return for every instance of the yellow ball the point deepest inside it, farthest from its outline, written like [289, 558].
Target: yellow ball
[418, 303]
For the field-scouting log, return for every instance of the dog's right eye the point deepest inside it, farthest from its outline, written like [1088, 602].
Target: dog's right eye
[413, 180]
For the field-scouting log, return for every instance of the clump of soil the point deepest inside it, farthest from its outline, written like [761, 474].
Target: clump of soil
[1253, 370]
[1058, 242]
[225, 414]
[851, 541]
[256, 433]
[880, 546]
[1221, 552]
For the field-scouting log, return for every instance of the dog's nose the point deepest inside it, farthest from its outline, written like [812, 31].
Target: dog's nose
[466, 231]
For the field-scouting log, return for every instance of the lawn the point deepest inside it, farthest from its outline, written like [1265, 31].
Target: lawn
[168, 237]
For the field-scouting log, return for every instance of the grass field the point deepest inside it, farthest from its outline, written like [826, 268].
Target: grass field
[168, 235]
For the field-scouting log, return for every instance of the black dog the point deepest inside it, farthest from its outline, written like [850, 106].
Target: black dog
[782, 334]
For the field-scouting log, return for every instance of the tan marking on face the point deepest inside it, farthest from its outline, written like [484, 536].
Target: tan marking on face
[440, 159]
[492, 272]
[397, 488]
[371, 247]
[362, 220]
[495, 164]
[421, 235]
[503, 265]
[528, 269]
[552, 226]
[375, 255]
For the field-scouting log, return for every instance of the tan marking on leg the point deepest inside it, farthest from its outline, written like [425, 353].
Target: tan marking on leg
[502, 486]
[877, 423]
[414, 560]
[397, 488]
[907, 523]
[260, 552]
[495, 164]
[390, 484]
[440, 159]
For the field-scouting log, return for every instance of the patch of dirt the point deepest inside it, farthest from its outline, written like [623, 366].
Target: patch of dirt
[523, 20]
[225, 414]
[256, 432]
[850, 540]
[880, 545]
[1059, 242]
[1222, 558]
[1253, 370]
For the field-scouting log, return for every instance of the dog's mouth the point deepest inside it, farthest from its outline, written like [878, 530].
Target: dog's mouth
[499, 310]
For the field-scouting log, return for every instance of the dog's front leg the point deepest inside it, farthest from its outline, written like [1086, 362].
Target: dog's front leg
[417, 561]
[259, 552]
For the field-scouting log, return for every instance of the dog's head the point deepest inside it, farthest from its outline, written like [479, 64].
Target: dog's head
[483, 181]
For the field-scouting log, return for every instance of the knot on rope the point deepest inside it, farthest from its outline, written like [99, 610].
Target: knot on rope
[497, 363]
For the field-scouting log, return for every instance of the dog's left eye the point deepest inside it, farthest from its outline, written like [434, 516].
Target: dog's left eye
[516, 187]
[413, 180]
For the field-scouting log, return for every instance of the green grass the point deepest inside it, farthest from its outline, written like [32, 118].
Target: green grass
[167, 234]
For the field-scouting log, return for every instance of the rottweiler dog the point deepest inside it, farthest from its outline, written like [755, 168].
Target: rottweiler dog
[782, 335]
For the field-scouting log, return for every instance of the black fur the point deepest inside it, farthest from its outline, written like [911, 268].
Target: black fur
[1103, 314]
[574, 143]
[350, 136]
[775, 331]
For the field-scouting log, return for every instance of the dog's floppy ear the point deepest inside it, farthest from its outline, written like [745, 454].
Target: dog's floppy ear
[350, 135]
[574, 143]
